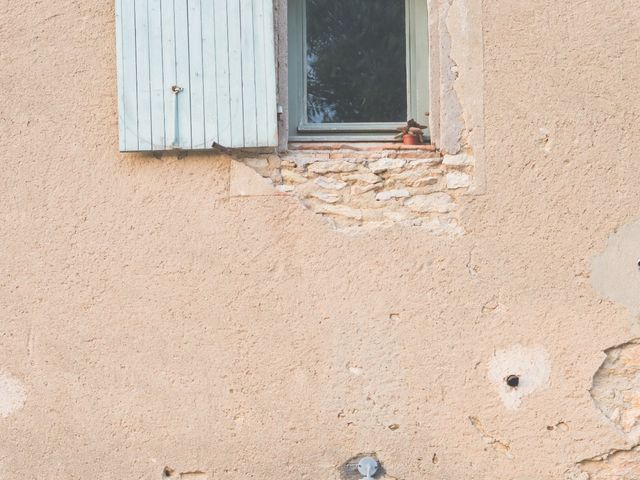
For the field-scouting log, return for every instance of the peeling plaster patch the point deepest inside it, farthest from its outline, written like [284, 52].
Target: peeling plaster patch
[12, 395]
[246, 182]
[530, 364]
[450, 107]
[498, 445]
[616, 388]
[615, 272]
[616, 465]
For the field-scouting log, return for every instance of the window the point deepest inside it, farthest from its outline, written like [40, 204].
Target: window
[357, 68]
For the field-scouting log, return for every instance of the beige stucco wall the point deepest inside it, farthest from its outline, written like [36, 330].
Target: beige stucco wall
[150, 319]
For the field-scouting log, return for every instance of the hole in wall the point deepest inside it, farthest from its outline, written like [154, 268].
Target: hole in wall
[167, 472]
[513, 381]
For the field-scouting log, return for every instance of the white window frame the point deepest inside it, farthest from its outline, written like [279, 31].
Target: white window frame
[417, 81]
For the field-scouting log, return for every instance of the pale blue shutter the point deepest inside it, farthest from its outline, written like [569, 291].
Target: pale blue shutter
[192, 73]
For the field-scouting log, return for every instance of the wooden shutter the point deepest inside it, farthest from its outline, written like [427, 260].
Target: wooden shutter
[192, 73]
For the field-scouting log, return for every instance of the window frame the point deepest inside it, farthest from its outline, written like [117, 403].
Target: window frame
[417, 63]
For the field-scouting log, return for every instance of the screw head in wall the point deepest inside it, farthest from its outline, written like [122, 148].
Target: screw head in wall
[368, 466]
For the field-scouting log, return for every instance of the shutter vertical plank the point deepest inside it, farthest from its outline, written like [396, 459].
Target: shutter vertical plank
[120, 75]
[143, 74]
[129, 92]
[235, 73]
[270, 74]
[183, 74]
[222, 72]
[209, 73]
[262, 132]
[156, 71]
[196, 73]
[248, 73]
[169, 67]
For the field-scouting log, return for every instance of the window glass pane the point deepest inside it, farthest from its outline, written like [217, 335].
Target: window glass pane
[356, 61]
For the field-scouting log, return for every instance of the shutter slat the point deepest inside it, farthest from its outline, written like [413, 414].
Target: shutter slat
[156, 71]
[220, 52]
[169, 68]
[248, 73]
[129, 123]
[183, 73]
[222, 72]
[209, 73]
[143, 74]
[195, 72]
[269, 60]
[262, 132]
[235, 73]
[121, 109]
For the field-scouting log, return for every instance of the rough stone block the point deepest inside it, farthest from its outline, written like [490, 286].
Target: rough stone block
[436, 202]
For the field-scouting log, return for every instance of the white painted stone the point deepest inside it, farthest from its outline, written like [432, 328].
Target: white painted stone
[360, 189]
[291, 176]
[285, 188]
[458, 180]
[330, 183]
[390, 194]
[459, 160]
[368, 178]
[327, 197]
[340, 210]
[385, 164]
[332, 167]
[425, 161]
[438, 226]
[397, 216]
[425, 182]
[406, 178]
[530, 364]
[12, 394]
[436, 202]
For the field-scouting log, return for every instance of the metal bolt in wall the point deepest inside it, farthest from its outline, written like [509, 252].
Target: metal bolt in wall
[368, 467]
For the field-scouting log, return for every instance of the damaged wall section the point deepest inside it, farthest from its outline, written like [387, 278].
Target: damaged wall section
[456, 70]
[616, 389]
[364, 187]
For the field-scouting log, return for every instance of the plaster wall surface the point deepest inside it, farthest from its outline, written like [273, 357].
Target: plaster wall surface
[173, 318]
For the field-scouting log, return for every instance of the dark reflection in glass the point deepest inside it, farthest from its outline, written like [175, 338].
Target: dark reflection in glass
[356, 61]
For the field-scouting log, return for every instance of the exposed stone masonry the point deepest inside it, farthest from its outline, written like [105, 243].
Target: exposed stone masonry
[376, 186]
[616, 389]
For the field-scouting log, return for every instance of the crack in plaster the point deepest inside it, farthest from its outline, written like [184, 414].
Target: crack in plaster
[498, 445]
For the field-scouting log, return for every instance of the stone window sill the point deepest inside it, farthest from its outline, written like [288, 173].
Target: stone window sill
[360, 147]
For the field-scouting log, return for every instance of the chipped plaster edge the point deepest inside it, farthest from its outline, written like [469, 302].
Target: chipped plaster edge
[457, 82]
